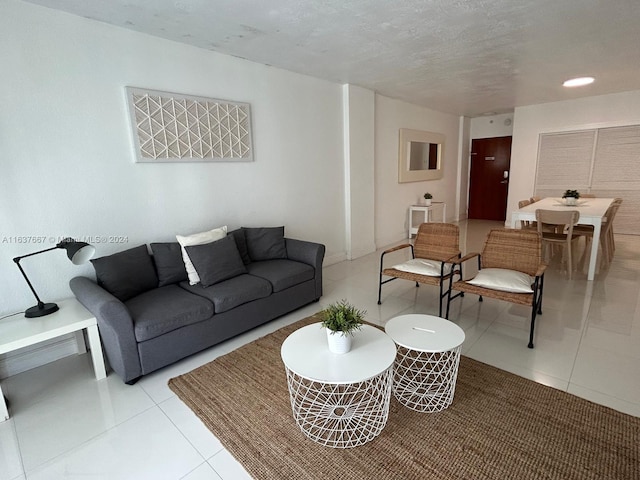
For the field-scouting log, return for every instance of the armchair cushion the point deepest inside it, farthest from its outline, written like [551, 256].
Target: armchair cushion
[424, 266]
[503, 280]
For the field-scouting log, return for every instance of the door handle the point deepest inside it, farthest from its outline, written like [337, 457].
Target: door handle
[504, 181]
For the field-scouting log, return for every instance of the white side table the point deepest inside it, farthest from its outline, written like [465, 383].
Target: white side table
[428, 214]
[339, 400]
[427, 363]
[18, 332]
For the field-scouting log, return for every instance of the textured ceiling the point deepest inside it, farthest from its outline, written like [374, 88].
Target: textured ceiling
[465, 57]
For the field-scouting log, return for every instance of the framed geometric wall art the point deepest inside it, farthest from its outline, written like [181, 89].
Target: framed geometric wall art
[171, 127]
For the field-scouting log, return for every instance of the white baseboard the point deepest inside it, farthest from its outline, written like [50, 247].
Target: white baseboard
[361, 252]
[34, 356]
[332, 259]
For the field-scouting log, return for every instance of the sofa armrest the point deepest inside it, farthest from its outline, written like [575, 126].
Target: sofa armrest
[310, 253]
[115, 326]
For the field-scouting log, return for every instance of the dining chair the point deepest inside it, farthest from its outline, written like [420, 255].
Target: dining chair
[435, 247]
[607, 243]
[510, 268]
[535, 199]
[563, 223]
[526, 224]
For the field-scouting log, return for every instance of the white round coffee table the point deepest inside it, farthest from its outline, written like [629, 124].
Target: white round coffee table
[339, 400]
[426, 366]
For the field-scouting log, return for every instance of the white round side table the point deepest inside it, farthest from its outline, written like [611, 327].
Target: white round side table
[339, 400]
[426, 366]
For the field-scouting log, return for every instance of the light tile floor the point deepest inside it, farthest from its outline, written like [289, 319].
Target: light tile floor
[65, 424]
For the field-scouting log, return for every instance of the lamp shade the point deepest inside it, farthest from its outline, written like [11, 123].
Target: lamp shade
[78, 252]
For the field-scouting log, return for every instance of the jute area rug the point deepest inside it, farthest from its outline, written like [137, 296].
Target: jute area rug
[500, 426]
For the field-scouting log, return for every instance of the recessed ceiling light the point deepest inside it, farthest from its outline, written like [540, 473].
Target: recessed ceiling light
[578, 82]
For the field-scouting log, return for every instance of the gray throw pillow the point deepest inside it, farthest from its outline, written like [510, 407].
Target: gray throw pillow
[126, 274]
[265, 243]
[216, 261]
[169, 263]
[241, 243]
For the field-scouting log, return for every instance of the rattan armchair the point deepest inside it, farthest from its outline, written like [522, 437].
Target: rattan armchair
[513, 250]
[439, 242]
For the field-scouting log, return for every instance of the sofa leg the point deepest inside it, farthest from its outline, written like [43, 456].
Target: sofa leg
[133, 380]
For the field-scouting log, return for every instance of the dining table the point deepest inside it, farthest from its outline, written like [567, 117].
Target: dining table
[592, 211]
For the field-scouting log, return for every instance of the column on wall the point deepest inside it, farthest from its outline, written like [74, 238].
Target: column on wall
[359, 125]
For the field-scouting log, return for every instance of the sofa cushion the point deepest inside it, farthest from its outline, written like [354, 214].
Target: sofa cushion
[265, 243]
[282, 274]
[198, 239]
[216, 261]
[169, 263]
[126, 274]
[233, 292]
[241, 243]
[165, 309]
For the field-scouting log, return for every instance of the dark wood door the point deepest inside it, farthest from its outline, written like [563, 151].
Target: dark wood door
[489, 178]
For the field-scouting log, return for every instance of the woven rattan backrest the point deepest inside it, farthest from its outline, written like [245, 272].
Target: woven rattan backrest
[437, 240]
[513, 249]
[524, 203]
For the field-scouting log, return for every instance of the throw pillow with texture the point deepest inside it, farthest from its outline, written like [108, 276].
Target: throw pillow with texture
[216, 261]
[169, 263]
[265, 243]
[503, 280]
[126, 274]
[198, 239]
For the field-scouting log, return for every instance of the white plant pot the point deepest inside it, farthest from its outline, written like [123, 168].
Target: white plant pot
[427, 202]
[339, 342]
[571, 200]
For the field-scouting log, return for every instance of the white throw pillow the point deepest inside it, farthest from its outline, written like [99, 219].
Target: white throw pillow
[422, 266]
[504, 280]
[198, 239]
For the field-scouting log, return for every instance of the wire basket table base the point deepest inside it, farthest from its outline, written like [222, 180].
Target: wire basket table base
[425, 381]
[341, 415]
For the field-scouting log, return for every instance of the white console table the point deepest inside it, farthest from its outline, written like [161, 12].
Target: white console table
[19, 332]
[427, 210]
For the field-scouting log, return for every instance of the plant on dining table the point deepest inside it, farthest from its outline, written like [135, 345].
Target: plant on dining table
[571, 194]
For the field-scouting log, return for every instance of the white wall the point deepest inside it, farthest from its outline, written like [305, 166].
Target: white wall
[359, 134]
[464, 168]
[66, 162]
[393, 198]
[529, 122]
[490, 126]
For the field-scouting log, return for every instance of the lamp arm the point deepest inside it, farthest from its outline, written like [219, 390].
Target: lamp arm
[17, 260]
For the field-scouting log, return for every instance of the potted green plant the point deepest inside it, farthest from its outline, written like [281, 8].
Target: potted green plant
[427, 199]
[341, 320]
[571, 196]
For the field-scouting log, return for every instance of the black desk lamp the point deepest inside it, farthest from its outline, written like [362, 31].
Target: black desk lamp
[78, 252]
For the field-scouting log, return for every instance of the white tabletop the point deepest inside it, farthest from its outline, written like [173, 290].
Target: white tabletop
[19, 331]
[306, 353]
[591, 209]
[425, 333]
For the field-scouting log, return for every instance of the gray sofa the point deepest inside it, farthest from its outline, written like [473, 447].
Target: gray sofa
[150, 315]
